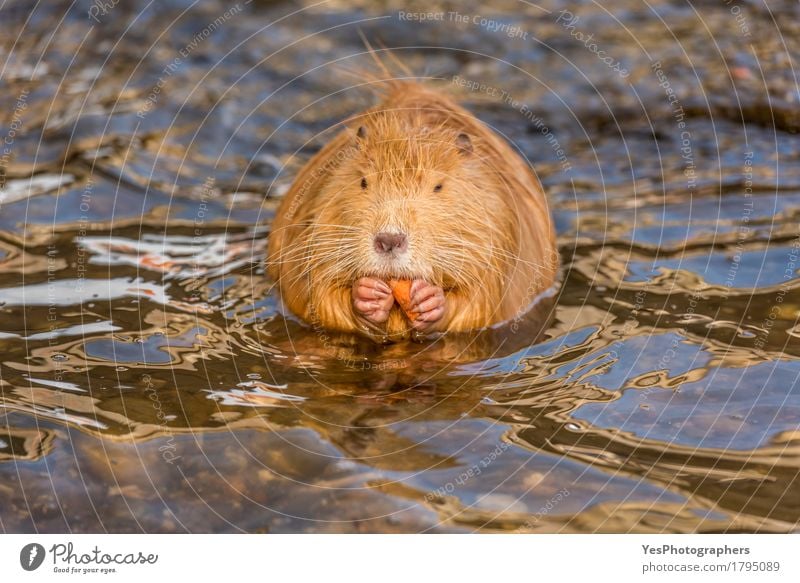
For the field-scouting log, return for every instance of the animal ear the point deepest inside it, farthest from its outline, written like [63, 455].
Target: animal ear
[361, 132]
[464, 143]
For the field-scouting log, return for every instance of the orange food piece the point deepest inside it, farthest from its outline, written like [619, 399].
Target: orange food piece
[401, 290]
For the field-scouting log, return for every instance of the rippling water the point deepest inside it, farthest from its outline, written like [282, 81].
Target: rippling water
[150, 382]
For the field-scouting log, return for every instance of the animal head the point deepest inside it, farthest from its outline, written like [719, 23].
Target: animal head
[409, 200]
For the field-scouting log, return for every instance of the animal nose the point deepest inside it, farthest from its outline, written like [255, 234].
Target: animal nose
[386, 243]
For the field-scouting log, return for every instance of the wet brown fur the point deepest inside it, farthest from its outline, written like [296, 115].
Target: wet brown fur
[486, 238]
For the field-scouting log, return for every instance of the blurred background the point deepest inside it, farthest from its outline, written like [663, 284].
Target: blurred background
[150, 382]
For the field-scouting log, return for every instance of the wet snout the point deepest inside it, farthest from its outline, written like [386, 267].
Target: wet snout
[390, 243]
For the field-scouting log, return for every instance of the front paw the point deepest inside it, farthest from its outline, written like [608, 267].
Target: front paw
[372, 300]
[428, 303]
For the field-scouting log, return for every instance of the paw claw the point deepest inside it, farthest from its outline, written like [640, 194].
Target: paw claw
[372, 300]
[428, 302]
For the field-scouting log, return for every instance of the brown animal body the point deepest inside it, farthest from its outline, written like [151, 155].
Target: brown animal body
[415, 189]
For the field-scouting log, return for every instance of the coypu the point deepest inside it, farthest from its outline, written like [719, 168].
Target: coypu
[416, 189]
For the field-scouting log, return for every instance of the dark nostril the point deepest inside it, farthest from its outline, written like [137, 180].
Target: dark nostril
[390, 242]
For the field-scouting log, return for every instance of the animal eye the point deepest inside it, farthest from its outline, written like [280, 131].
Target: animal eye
[437, 188]
[364, 183]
